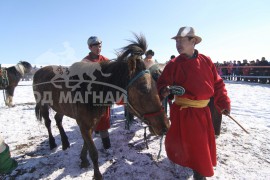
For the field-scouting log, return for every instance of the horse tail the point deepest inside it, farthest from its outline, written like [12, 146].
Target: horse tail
[38, 112]
[41, 111]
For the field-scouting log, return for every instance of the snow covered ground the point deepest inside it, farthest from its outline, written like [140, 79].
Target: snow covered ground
[240, 155]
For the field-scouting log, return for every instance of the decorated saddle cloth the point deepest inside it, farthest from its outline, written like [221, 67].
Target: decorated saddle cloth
[3, 78]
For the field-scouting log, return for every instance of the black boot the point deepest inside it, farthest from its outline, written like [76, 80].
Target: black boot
[106, 142]
[97, 133]
[197, 176]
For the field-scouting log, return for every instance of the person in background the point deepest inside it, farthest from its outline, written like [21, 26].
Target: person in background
[7, 164]
[230, 70]
[95, 45]
[172, 57]
[190, 141]
[148, 60]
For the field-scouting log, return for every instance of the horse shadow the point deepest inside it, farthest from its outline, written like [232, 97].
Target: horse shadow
[39, 161]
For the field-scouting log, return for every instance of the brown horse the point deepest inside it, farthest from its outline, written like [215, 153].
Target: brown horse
[126, 80]
[10, 78]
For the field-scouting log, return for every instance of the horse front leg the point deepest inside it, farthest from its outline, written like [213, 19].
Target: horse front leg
[93, 153]
[9, 100]
[9, 96]
[65, 143]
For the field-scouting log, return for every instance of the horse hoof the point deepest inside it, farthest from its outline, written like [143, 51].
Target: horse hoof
[65, 147]
[85, 164]
[10, 105]
[53, 146]
[97, 176]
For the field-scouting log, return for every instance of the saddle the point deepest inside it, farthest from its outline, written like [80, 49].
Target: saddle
[3, 78]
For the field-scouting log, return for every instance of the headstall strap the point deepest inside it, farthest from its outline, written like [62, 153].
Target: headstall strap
[154, 114]
[137, 77]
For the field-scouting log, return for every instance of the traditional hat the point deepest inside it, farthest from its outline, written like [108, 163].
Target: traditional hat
[187, 32]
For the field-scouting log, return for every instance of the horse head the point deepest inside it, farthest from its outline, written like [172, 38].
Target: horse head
[23, 67]
[142, 95]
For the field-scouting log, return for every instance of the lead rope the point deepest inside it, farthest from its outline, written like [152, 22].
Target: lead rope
[145, 139]
[160, 143]
[160, 146]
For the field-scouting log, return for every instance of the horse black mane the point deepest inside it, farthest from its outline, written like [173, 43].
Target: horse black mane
[136, 47]
[26, 65]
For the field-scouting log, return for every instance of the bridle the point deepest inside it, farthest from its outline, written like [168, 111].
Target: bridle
[144, 116]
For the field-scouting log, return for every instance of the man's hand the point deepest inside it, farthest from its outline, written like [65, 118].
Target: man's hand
[165, 91]
[225, 112]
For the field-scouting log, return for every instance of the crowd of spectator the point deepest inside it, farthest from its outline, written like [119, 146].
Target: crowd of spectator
[252, 71]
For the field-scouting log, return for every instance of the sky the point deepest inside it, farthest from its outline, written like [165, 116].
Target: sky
[56, 32]
[239, 155]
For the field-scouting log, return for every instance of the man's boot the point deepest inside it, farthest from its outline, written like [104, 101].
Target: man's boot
[105, 138]
[198, 176]
[106, 142]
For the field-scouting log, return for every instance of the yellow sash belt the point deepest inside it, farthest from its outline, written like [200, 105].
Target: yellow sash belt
[185, 103]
